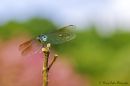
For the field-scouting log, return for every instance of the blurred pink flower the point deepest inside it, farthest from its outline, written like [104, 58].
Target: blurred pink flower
[17, 70]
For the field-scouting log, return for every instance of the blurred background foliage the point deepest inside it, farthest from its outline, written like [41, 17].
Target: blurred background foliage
[99, 57]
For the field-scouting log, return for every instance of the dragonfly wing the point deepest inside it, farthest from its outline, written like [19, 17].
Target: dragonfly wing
[30, 47]
[27, 50]
[62, 35]
[25, 45]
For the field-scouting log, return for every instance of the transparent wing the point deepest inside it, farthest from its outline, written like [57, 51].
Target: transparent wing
[62, 35]
[30, 47]
[25, 45]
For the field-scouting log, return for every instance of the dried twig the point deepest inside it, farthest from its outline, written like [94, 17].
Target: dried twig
[54, 59]
[46, 68]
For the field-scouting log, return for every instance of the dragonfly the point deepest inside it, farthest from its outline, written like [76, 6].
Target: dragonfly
[59, 36]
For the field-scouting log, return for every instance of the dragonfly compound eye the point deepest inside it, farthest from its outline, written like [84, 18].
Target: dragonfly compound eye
[44, 38]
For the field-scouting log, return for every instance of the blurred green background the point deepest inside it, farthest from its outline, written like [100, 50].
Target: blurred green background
[101, 58]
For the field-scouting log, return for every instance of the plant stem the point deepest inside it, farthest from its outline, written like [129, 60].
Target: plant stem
[45, 66]
[54, 59]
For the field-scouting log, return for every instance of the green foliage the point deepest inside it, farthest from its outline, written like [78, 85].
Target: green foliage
[104, 58]
[37, 26]
[33, 26]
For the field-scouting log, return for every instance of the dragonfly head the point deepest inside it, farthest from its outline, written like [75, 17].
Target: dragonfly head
[42, 38]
